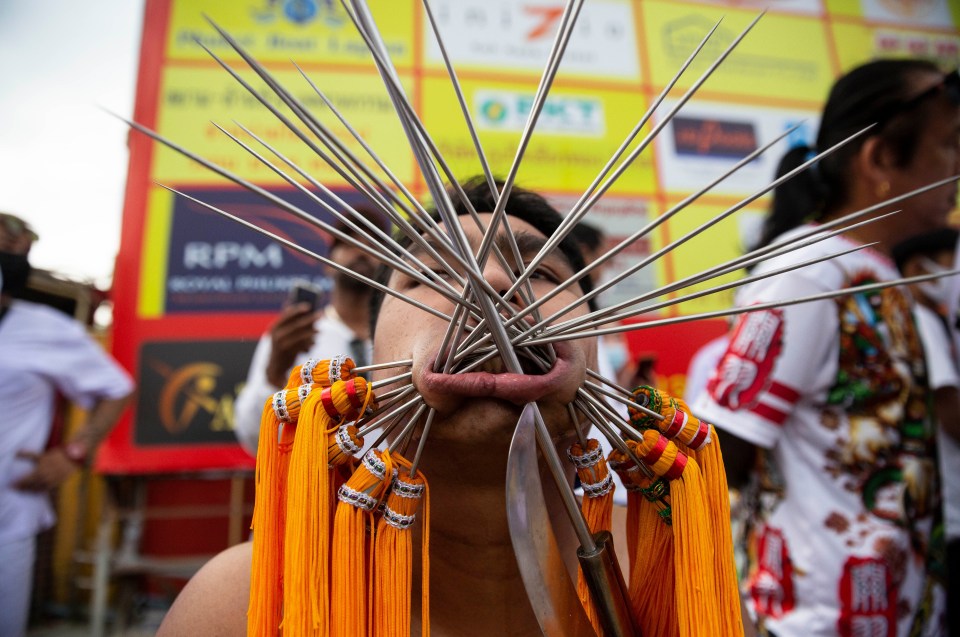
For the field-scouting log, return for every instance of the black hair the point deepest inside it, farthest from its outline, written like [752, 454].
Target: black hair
[371, 215]
[522, 204]
[858, 99]
[588, 236]
[927, 244]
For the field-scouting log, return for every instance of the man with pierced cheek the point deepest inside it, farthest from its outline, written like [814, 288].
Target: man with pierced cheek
[475, 585]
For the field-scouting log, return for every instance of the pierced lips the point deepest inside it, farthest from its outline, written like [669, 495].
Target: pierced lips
[516, 388]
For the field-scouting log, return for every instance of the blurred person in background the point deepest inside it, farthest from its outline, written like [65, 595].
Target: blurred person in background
[302, 332]
[43, 354]
[927, 254]
[828, 400]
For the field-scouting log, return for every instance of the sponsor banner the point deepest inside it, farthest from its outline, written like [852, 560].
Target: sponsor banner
[518, 35]
[502, 110]
[783, 57]
[192, 98]
[214, 264]
[186, 391]
[308, 31]
[707, 139]
[577, 133]
[919, 13]
[859, 43]
[720, 243]
[800, 7]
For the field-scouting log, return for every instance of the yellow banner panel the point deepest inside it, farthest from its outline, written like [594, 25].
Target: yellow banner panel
[577, 132]
[858, 43]
[153, 263]
[308, 32]
[720, 243]
[783, 56]
[192, 97]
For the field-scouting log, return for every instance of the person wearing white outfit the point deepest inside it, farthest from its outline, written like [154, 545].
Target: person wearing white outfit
[43, 354]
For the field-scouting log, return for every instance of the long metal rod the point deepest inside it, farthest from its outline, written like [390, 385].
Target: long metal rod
[534, 342]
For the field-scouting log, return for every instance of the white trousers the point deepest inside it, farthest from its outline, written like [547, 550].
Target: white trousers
[16, 584]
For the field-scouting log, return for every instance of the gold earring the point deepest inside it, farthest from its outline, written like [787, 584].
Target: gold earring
[883, 189]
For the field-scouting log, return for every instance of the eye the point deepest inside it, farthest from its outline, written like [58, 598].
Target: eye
[544, 274]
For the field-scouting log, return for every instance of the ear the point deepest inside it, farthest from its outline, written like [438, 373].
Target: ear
[875, 164]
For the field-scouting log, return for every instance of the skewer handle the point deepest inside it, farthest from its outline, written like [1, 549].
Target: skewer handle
[607, 588]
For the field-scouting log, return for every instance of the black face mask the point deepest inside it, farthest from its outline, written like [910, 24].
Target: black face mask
[15, 269]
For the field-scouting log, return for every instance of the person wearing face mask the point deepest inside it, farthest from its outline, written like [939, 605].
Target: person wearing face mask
[931, 253]
[43, 355]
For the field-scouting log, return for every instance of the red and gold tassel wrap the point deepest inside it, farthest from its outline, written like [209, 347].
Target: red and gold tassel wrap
[322, 372]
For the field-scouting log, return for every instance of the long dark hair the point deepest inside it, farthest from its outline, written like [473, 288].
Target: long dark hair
[858, 99]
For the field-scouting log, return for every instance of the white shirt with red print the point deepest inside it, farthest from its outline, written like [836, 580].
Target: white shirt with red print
[834, 393]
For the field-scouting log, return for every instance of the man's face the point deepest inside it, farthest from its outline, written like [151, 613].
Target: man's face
[355, 259]
[937, 156]
[484, 406]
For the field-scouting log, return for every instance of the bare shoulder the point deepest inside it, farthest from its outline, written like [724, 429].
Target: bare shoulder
[214, 601]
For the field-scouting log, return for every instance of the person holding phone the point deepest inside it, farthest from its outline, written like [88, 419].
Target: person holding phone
[303, 331]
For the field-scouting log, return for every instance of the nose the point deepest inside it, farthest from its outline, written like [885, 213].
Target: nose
[500, 280]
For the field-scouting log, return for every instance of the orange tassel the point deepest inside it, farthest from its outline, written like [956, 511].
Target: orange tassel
[597, 507]
[280, 414]
[351, 566]
[652, 581]
[393, 562]
[306, 574]
[700, 438]
[693, 555]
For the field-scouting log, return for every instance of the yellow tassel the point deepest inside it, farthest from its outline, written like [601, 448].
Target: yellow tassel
[597, 507]
[718, 504]
[350, 563]
[652, 582]
[280, 413]
[306, 573]
[628, 471]
[393, 561]
[694, 576]
[700, 439]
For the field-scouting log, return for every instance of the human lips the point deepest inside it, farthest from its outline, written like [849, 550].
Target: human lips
[519, 389]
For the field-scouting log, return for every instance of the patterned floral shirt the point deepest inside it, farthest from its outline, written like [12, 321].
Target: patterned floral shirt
[834, 392]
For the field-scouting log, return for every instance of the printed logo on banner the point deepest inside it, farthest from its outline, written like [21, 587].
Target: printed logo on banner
[683, 35]
[512, 34]
[299, 12]
[217, 265]
[187, 390]
[713, 138]
[508, 111]
[708, 138]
